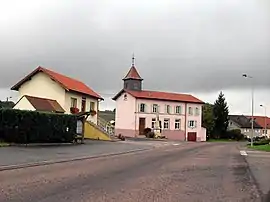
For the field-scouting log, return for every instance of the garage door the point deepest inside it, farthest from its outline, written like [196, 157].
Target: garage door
[192, 136]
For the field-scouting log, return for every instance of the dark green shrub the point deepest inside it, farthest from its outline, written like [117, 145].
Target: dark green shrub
[150, 134]
[146, 131]
[21, 126]
[235, 134]
[262, 142]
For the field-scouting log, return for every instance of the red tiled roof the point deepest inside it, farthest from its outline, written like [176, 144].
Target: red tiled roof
[44, 104]
[133, 74]
[261, 121]
[66, 82]
[155, 95]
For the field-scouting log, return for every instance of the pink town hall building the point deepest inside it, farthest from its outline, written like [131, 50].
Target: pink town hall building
[180, 115]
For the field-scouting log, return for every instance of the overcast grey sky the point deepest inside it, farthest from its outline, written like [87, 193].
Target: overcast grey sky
[190, 46]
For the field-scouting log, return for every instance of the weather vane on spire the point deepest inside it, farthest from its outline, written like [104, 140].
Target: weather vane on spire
[133, 60]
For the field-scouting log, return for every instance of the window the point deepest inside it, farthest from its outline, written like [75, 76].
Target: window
[168, 109]
[192, 124]
[166, 124]
[142, 107]
[197, 111]
[190, 112]
[126, 85]
[265, 132]
[153, 122]
[125, 97]
[92, 105]
[73, 102]
[155, 108]
[177, 124]
[83, 104]
[136, 86]
[178, 109]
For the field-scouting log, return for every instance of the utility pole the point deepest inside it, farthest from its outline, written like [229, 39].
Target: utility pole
[252, 107]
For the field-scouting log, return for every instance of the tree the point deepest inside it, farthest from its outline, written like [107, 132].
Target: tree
[208, 119]
[221, 117]
[6, 104]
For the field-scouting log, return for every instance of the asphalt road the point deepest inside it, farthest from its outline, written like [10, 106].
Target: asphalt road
[188, 172]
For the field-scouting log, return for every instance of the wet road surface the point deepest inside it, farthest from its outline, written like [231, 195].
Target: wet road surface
[187, 172]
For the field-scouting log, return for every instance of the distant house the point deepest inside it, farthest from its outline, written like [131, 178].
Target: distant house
[46, 90]
[180, 115]
[244, 124]
[264, 122]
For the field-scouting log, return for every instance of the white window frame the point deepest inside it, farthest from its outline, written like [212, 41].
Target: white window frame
[155, 106]
[177, 124]
[178, 109]
[194, 125]
[190, 111]
[167, 122]
[153, 122]
[140, 107]
[73, 102]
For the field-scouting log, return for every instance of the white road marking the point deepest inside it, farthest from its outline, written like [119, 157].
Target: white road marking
[176, 144]
[243, 153]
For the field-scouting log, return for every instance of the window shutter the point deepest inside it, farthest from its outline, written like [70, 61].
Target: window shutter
[180, 109]
[145, 108]
[139, 108]
[195, 124]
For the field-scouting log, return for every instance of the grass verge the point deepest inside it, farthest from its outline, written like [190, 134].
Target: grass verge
[261, 147]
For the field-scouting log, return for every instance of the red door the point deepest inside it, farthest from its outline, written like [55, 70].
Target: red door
[192, 136]
[141, 126]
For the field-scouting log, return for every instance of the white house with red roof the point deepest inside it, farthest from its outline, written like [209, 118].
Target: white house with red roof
[180, 115]
[46, 90]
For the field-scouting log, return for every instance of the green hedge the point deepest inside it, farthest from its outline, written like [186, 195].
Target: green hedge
[262, 142]
[20, 126]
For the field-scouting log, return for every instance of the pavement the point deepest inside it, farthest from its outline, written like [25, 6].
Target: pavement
[12, 157]
[259, 164]
[169, 173]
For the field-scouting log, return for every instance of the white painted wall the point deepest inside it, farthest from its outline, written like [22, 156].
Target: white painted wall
[24, 104]
[125, 112]
[43, 86]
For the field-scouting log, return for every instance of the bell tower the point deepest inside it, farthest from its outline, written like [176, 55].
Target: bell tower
[133, 80]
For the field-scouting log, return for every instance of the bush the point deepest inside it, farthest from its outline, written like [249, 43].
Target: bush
[20, 126]
[262, 142]
[146, 131]
[235, 134]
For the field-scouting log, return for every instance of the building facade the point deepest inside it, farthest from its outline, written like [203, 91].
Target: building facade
[180, 115]
[243, 123]
[44, 84]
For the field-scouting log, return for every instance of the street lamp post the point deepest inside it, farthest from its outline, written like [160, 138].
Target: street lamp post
[252, 108]
[265, 128]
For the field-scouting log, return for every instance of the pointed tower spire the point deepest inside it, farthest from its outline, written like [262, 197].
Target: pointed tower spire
[133, 80]
[133, 60]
